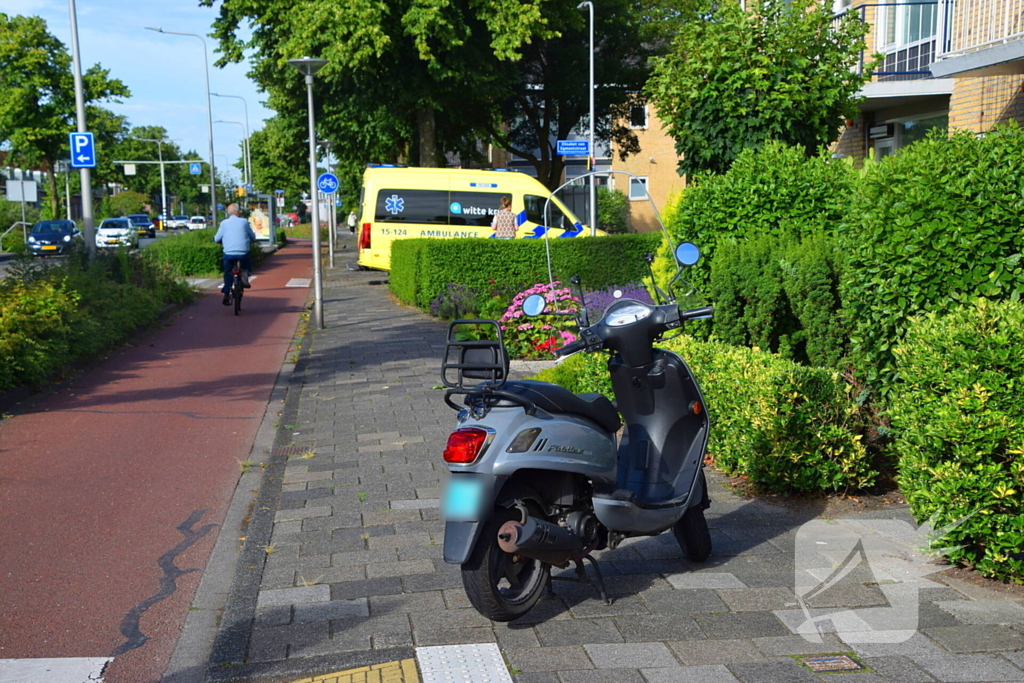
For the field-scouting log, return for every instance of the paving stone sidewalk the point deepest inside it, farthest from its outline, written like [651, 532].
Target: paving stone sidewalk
[353, 576]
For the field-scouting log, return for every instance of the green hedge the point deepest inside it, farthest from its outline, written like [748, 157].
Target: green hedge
[958, 419]
[422, 268]
[194, 254]
[52, 316]
[781, 295]
[785, 426]
[936, 225]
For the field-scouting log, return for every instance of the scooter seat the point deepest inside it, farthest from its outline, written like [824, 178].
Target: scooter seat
[553, 398]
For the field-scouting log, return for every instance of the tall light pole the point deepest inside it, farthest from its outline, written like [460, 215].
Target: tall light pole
[209, 115]
[308, 66]
[246, 171]
[87, 221]
[593, 151]
[248, 150]
[163, 178]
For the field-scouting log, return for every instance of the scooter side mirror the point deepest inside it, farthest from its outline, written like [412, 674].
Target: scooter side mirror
[534, 304]
[687, 254]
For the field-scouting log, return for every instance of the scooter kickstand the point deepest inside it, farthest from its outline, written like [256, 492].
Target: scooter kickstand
[597, 571]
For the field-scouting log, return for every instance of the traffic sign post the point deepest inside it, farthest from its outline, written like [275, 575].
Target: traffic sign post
[573, 148]
[83, 150]
[327, 183]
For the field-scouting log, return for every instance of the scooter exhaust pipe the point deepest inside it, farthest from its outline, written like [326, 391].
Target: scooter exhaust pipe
[540, 540]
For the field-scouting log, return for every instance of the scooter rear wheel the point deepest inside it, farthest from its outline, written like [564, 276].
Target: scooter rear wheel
[500, 586]
[693, 536]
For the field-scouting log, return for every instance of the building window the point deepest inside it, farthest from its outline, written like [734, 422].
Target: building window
[637, 188]
[638, 116]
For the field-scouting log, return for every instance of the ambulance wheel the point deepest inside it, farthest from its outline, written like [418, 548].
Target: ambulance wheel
[502, 586]
[693, 536]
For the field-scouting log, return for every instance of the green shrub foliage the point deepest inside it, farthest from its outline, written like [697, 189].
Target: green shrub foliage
[958, 419]
[50, 316]
[786, 426]
[422, 268]
[781, 295]
[194, 253]
[934, 226]
[775, 190]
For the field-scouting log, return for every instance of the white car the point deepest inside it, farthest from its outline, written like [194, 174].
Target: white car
[197, 223]
[116, 232]
[177, 222]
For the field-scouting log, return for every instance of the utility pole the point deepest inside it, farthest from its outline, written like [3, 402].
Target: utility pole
[87, 219]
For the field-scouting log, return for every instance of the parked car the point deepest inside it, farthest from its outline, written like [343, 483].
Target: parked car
[143, 225]
[115, 232]
[52, 238]
[197, 223]
[178, 222]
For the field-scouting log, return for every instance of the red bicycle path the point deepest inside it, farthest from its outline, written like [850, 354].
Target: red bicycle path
[97, 478]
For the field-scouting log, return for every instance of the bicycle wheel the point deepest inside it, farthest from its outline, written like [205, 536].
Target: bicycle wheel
[236, 294]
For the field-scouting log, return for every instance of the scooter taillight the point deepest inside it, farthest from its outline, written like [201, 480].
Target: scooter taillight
[464, 445]
[364, 236]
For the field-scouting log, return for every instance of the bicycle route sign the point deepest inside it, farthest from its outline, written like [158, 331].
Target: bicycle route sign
[327, 183]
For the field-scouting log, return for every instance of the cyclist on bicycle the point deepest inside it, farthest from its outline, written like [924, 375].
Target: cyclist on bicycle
[236, 236]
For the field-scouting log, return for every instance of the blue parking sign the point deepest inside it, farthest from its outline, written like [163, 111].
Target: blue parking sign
[195, 169]
[327, 183]
[83, 150]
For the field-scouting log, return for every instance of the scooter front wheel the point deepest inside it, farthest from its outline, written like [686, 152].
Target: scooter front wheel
[693, 536]
[502, 586]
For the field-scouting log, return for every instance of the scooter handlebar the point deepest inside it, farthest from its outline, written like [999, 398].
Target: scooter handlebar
[577, 345]
[695, 313]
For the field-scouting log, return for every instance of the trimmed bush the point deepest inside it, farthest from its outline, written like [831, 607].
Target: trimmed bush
[194, 254]
[781, 295]
[934, 226]
[432, 264]
[787, 427]
[958, 420]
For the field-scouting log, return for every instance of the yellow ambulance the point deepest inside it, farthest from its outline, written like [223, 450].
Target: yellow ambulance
[401, 202]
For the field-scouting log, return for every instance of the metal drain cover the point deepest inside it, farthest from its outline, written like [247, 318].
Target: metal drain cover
[480, 663]
[833, 663]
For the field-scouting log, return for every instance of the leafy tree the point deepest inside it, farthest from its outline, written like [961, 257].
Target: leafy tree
[37, 110]
[415, 81]
[777, 70]
[124, 203]
[612, 210]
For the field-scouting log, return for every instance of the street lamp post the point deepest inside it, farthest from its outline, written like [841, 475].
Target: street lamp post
[87, 221]
[163, 178]
[593, 151]
[248, 150]
[246, 171]
[308, 66]
[209, 115]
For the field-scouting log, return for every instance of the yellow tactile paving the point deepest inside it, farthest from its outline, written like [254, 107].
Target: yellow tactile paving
[403, 671]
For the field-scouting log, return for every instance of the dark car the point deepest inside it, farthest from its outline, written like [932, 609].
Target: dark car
[51, 238]
[143, 225]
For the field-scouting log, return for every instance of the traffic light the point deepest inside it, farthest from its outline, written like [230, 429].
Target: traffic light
[240, 191]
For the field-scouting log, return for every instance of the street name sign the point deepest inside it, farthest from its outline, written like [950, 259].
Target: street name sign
[573, 148]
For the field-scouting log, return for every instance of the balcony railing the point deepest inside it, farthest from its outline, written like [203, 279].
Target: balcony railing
[913, 35]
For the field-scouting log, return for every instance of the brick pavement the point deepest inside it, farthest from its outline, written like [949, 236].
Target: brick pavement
[350, 571]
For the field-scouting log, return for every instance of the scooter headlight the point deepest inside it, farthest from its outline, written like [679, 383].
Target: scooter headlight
[466, 444]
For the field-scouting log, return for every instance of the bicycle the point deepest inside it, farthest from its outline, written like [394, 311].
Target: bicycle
[236, 284]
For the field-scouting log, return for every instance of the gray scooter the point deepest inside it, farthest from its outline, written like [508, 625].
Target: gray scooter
[541, 476]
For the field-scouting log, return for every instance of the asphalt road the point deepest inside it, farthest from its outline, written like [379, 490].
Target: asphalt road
[112, 488]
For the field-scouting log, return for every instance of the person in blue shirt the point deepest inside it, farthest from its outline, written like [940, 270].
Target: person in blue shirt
[235, 235]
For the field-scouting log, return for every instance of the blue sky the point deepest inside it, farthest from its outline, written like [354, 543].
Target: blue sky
[163, 72]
